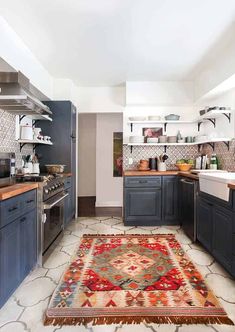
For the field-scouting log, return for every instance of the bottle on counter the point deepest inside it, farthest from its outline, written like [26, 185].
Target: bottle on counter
[214, 162]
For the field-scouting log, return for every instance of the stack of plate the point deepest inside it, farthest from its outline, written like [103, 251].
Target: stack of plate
[136, 139]
[152, 139]
[137, 118]
[163, 139]
[172, 139]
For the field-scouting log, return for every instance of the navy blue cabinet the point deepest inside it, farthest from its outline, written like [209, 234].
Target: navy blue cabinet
[222, 245]
[28, 241]
[170, 199]
[18, 242]
[204, 223]
[142, 206]
[63, 135]
[10, 264]
[150, 200]
[216, 229]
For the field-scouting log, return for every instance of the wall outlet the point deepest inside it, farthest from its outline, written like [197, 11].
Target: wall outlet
[130, 161]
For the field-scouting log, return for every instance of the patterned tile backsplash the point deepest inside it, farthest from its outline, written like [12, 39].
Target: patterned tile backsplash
[7, 137]
[226, 158]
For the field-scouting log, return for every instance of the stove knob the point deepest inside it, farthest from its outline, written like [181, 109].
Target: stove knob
[46, 191]
[53, 188]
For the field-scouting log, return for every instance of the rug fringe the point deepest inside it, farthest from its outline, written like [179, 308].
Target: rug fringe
[128, 235]
[136, 320]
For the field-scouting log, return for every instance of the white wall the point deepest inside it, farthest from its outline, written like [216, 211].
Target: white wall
[100, 99]
[87, 155]
[217, 66]
[164, 93]
[109, 189]
[17, 55]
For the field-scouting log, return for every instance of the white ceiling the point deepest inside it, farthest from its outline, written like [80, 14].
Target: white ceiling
[107, 42]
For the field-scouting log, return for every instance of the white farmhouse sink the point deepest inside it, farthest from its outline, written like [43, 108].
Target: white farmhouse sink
[216, 184]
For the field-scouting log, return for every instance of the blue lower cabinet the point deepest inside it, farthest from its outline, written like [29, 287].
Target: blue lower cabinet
[10, 262]
[142, 206]
[18, 242]
[216, 230]
[28, 247]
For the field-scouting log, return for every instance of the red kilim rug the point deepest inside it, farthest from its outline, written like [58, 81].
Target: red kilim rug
[132, 279]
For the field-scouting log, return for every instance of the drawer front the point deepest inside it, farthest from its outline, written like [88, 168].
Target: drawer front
[68, 182]
[29, 201]
[142, 181]
[10, 209]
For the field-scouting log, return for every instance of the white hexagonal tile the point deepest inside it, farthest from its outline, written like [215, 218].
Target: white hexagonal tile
[56, 259]
[75, 226]
[36, 273]
[70, 249]
[149, 228]
[34, 291]
[163, 327]
[68, 239]
[200, 257]
[13, 326]
[105, 229]
[56, 274]
[89, 222]
[10, 311]
[33, 317]
[111, 222]
[105, 328]
[164, 230]
[73, 329]
[138, 231]
[183, 238]
[196, 328]
[218, 269]
[122, 227]
[203, 269]
[222, 287]
[134, 328]
[87, 230]
[102, 218]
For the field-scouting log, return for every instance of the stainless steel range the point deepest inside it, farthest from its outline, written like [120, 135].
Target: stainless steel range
[51, 197]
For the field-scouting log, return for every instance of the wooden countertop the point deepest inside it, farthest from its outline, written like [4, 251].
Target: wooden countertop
[16, 189]
[189, 175]
[231, 185]
[149, 173]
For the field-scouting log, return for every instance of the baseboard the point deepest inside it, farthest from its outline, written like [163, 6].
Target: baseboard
[108, 204]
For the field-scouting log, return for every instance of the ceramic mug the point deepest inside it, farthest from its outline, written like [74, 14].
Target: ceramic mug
[161, 166]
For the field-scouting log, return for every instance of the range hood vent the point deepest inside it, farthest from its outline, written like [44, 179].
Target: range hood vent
[16, 98]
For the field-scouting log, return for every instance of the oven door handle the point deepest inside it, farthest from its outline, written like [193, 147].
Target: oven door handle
[49, 206]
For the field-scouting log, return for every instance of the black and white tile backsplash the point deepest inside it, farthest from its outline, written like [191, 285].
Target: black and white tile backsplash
[8, 141]
[226, 158]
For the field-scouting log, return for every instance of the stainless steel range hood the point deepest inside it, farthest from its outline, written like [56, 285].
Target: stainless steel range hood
[16, 98]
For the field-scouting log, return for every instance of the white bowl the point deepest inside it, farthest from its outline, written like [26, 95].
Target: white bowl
[137, 118]
[136, 139]
[154, 118]
[152, 139]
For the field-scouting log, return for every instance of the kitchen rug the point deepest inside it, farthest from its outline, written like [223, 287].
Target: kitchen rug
[132, 279]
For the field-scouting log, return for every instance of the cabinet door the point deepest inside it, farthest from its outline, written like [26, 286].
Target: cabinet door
[204, 223]
[170, 199]
[28, 242]
[222, 244]
[9, 260]
[142, 206]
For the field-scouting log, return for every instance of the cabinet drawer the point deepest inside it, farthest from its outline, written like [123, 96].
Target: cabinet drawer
[142, 181]
[68, 182]
[29, 201]
[10, 209]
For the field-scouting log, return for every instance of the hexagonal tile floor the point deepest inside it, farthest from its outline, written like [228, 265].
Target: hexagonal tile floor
[24, 310]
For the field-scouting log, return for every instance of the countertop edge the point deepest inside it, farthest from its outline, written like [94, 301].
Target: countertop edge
[16, 189]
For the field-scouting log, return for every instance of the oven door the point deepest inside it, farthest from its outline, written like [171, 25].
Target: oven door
[53, 219]
[5, 170]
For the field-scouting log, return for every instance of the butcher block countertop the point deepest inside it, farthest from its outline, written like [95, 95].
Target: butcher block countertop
[148, 173]
[231, 185]
[151, 173]
[16, 189]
